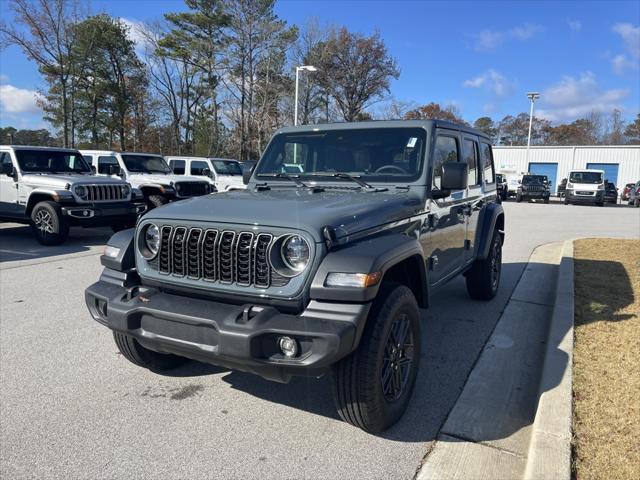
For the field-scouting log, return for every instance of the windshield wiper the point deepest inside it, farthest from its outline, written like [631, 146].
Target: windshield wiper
[294, 178]
[354, 178]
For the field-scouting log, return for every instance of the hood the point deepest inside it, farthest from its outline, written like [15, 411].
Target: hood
[348, 211]
[160, 179]
[60, 180]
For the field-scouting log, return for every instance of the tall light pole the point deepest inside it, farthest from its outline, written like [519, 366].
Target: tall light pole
[533, 96]
[308, 68]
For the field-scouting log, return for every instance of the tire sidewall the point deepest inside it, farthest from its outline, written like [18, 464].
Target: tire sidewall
[59, 225]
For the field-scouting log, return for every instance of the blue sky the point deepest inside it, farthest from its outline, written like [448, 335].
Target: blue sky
[480, 56]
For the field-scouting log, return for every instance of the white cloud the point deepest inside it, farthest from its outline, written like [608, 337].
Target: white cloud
[488, 40]
[492, 81]
[575, 25]
[525, 32]
[136, 33]
[630, 34]
[573, 98]
[18, 100]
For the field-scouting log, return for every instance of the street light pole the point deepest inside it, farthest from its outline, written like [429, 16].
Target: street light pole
[533, 96]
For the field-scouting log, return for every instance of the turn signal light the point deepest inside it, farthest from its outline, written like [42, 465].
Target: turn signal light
[356, 280]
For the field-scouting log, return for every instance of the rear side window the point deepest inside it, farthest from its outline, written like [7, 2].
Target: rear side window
[486, 157]
[104, 162]
[446, 150]
[470, 155]
[177, 166]
[197, 167]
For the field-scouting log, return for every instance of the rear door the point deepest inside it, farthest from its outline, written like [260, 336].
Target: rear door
[445, 241]
[475, 198]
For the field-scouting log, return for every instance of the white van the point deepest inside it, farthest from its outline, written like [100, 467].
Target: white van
[148, 172]
[585, 186]
[224, 173]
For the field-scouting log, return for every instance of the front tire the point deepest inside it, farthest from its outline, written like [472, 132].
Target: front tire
[373, 385]
[143, 357]
[518, 198]
[48, 224]
[483, 279]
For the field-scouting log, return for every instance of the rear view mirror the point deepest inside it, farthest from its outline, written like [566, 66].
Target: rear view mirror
[246, 174]
[455, 176]
[114, 170]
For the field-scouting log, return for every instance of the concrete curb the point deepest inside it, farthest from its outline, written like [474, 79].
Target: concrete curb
[550, 448]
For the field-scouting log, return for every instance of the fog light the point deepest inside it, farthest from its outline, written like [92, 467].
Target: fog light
[288, 346]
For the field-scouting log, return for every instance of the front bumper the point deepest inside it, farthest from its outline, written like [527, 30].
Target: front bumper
[103, 214]
[574, 196]
[240, 337]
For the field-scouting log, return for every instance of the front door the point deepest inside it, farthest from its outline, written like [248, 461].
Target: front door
[444, 234]
[8, 190]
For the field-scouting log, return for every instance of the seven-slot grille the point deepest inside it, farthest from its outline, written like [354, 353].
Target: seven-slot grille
[104, 193]
[192, 189]
[534, 188]
[223, 256]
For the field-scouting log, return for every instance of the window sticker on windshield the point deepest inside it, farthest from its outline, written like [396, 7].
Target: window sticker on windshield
[412, 142]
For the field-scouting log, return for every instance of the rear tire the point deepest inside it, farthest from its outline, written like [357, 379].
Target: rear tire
[154, 201]
[48, 224]
[483, 279]
[373, 385]
[143, 357]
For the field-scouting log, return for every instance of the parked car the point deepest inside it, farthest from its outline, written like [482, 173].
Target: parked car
[513, 182]
[585, 186]
[222, 173]
[610, 193]
[534, 187]
[318, 272]
[626, 192]
[562, 188]
[634, 195]
[148, 172]
[53, 189]
[501, 182]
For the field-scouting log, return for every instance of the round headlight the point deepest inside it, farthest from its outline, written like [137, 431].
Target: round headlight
[151, 241]
[80, 191]
[295, 253]
[126, 190]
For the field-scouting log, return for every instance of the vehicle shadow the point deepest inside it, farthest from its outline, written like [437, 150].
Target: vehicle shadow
[454, 333]
[18, 243]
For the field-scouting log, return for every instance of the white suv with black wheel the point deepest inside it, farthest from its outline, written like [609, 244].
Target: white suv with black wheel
[148, 172]
[54, 189]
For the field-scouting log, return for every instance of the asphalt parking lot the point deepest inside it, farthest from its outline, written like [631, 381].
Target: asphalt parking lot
[73, 408]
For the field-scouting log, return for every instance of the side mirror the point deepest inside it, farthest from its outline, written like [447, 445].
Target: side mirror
[246, 174]
[206, 172]
[93, 169]
[455, 176]
[114, 170]
[7, 169]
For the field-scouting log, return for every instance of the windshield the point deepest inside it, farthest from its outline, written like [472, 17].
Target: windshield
[51, 161]
[374, 154]
[145, 164]
[585, 177]
[227, 167]
[534, 179]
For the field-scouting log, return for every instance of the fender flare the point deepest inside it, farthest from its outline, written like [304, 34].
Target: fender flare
[377, 254]
[59, 196]
[491, 217]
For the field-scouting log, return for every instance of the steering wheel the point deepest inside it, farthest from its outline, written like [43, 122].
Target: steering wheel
[391, 167]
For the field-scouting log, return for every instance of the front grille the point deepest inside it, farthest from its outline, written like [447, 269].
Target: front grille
[192, 189]
[584, 193]
[534, 188]
[104, 193]
[223, 256]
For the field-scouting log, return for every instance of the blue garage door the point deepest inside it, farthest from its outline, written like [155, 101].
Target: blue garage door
[548, 169]
[610, 171]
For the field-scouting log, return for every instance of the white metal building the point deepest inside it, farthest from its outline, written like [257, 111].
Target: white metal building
[621, 163]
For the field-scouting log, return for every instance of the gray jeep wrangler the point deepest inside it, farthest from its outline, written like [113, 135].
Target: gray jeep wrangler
[319, 271]
[53, 189]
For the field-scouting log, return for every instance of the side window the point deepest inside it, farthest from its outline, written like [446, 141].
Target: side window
[446, 150]
[486, 156]
[198, 166]
[5, 158]
[470, 155]
[104, 162]
[177, 166]
[88, 159]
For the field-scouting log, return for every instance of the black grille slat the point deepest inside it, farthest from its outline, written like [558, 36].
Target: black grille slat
[192, 189]
[227, 256]
[103, 193]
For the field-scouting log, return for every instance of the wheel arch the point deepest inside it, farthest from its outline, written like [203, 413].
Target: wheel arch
[491, 218]
[36, 198]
